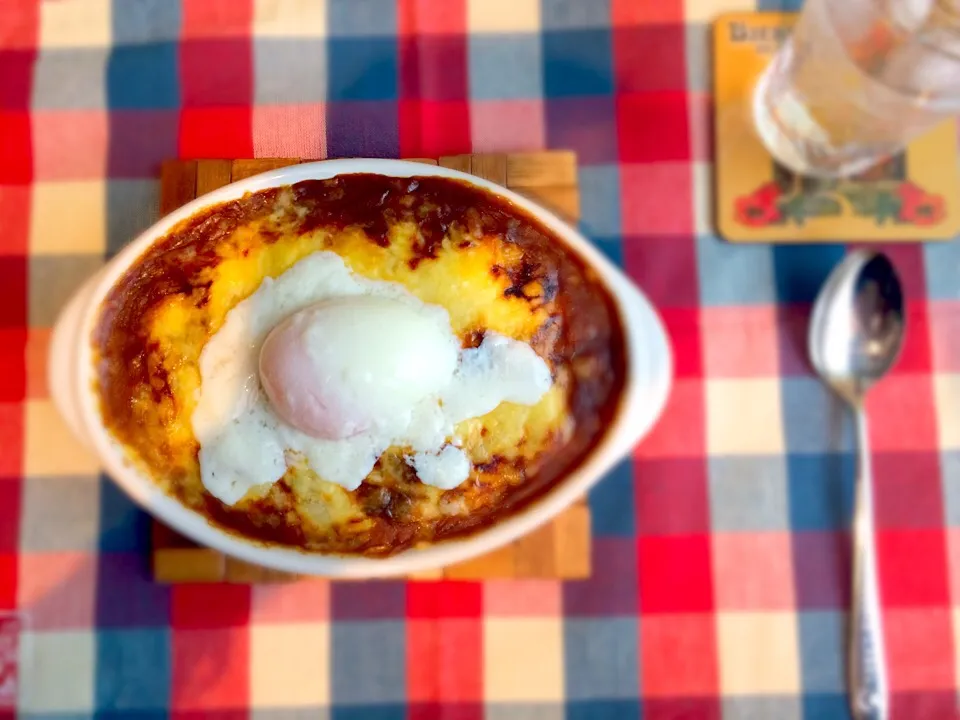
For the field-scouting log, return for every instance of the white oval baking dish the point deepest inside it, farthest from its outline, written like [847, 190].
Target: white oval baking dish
[648, 383]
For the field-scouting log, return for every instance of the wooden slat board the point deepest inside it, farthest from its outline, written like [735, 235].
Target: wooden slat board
[560, 549]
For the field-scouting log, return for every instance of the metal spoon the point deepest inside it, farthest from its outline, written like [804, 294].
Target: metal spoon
[856, 333]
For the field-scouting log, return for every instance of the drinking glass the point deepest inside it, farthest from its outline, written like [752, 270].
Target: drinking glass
[857, 80]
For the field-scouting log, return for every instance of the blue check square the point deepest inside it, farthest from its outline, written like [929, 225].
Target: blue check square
[366, 712]
[289, 70]
[601, 658]
[145, 21]
[821, 635]
[370, 17]
[370, 600]
[603, 710]
[821, 490]
[562, 14]
[611, 502]
[600, 199]
[140, 140]
[800, 270]
[362, 68]
[577, 62]
[86, 70]
[127, 596]
[940, 264]
[133, 205]
[143, 77]
[833, 706]
[748, 707]
[732, 275]
[124, 527]
[611, 588]
[378, 646]
[815, 420]
[134, 669]
[586, 125]
[505, 67]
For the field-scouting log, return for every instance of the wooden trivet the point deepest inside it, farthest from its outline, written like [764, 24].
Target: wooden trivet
[560, 549]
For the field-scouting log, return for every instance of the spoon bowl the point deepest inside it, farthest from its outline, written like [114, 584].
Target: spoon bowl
[857, 327]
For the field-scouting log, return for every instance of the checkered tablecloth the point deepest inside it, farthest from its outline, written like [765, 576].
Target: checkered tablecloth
[721, 556]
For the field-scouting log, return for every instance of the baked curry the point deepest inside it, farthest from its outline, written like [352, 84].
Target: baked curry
[493, 268]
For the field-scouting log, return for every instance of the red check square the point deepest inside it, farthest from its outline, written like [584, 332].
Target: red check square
[911, 268]
[631, 12]
[430, 128]
[740, 342]
[650, 57]
[507, 125]
[210, 669]
[902, 414]
[445, 711]
[924, 704]
[944, 320]
[224, 132]
[290, 131]
[917, 353]
[665, 266]
[753, 571]
[15, 148]
[16, 74]
[913, 568]
[11, 430]
[306, 600]
[445, 660]
[675, 573]
[10, 494]
[653, 127]
[209, 606]
[15, 211]
[433, 68]
[19, 24]
[444, 599]
[8, 580]
[70, 145]
[216, 72]
[213, 18]
[37, 351]
[432, 17]
[13, 368]
[671, 496]
[517, 598]
[680, 432]
[953, 566]
[657, 198]
[13, 280]
[678, 655]
[908, 490]
[58, 589]
[683, 330]
[919, 644]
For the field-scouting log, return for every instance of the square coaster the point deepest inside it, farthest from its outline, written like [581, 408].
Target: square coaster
[913, 196]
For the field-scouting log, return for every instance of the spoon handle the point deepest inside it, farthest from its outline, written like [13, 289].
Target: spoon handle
[867, 670]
